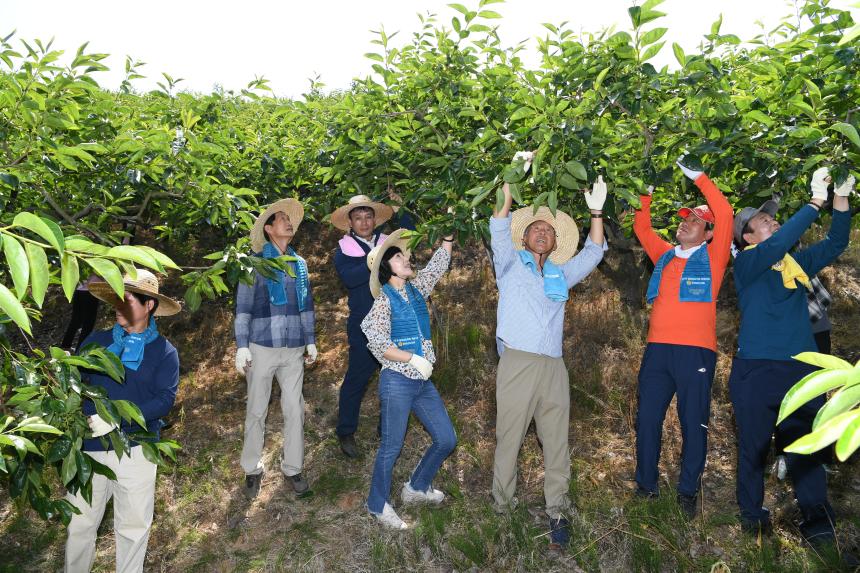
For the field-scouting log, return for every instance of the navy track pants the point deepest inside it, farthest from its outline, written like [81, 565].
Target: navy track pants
[666, 370]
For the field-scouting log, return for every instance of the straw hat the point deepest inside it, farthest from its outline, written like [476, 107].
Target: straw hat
[145, 283]
[291, 207]
[374, 257]
[340, 217]
[567, 235]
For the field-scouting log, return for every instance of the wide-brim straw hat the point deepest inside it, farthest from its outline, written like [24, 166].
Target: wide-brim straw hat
[146, 283]
[340, 216]
[374, 257]
[291, 207]
[566, 233]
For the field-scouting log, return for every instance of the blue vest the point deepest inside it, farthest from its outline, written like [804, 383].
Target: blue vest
[410, 321]
[695, 280]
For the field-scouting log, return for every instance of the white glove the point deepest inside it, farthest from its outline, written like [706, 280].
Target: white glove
[691, 174]
[311, 349]
[527, 156]
[820, 181]
[98, 426]
[243, 360]
[846, 188]
[649, 190]
[422, 365]
[597, 196]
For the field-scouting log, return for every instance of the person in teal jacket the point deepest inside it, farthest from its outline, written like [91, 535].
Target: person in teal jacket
[772, 293]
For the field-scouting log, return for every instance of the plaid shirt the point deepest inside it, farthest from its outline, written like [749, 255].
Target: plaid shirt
[818, 300]
[262, 323]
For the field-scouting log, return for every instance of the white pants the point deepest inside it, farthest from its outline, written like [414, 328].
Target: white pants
[133, 500]
[287, 365]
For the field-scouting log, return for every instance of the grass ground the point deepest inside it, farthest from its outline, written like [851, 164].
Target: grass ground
[202, 523]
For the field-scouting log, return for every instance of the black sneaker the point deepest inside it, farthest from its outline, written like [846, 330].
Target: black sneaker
[757, 527]
[643, 493]
[687, 503]
[559, 534]
[300, 484]
[252, 485]
[348, 447]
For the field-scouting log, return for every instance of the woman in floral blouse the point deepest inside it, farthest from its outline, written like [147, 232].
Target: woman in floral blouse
[398, 333]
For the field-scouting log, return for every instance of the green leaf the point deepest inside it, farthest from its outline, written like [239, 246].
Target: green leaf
[652, 36]
[599, 80]
[40, 273]
[515, 193]
[109, 272]
[521, 113]
[810, 386]
[848, 131]
[163, 259]
[825, 435]
[42, 227]
[130, 412]
[568, 182]
[135, 254]
[715, 27]
[823, 360]
[679, 54]
[69, 468]
[39, 426]
[69, 274]
[850, 35]
[849, 441]
[552, 201]
[373, 56]
[107, 361]
[651, 51]
[19, 267]
[459, 8]
[12, 307]
[761, 117]
[841, 401]
[59, 449]
[576, 169]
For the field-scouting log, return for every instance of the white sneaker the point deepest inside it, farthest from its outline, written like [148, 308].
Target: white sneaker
[389, 518]
[409, 495]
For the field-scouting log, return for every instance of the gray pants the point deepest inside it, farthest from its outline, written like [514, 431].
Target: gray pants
[532, 386]
[287, 365]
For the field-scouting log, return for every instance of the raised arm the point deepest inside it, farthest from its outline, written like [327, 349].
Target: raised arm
[653, 244]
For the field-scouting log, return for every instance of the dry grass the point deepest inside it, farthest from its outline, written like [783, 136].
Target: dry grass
[202, 522]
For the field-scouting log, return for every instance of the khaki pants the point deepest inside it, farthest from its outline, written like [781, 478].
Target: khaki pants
[532, 386]
[287, 365]
[133, 495]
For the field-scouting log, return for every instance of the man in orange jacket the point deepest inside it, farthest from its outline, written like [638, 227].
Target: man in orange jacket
[680, 357]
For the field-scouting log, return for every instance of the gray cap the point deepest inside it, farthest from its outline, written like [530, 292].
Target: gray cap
[744, 215]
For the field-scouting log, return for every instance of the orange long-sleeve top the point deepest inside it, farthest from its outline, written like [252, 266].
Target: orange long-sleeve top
[673, 321]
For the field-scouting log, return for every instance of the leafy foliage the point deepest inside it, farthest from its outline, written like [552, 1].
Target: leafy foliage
[839, 419]
[42, 425]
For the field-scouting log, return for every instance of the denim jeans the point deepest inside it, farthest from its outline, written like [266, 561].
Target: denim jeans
[398, 396]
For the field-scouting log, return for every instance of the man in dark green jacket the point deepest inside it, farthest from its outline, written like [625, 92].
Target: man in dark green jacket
[772, 287]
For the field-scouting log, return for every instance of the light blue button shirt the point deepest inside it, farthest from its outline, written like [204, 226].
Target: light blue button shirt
[526, 319]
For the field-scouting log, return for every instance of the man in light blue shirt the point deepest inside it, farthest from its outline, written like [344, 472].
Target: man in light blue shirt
[535, 268]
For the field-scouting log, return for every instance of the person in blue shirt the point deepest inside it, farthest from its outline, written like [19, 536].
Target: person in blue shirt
[772, 290]
[362, 219]
[533, 256]
[150, 382]
[274, 328]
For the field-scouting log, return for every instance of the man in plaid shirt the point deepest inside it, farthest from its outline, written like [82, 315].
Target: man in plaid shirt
[274, 327]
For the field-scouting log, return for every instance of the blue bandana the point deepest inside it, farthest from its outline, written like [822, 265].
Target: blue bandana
[129, 347]
[277, 288]
[554, 285]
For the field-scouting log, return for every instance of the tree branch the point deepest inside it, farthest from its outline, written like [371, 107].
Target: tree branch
[649, 137]
[68, 218]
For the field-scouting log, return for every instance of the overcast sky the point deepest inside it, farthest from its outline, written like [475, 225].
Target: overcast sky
[229, 43]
